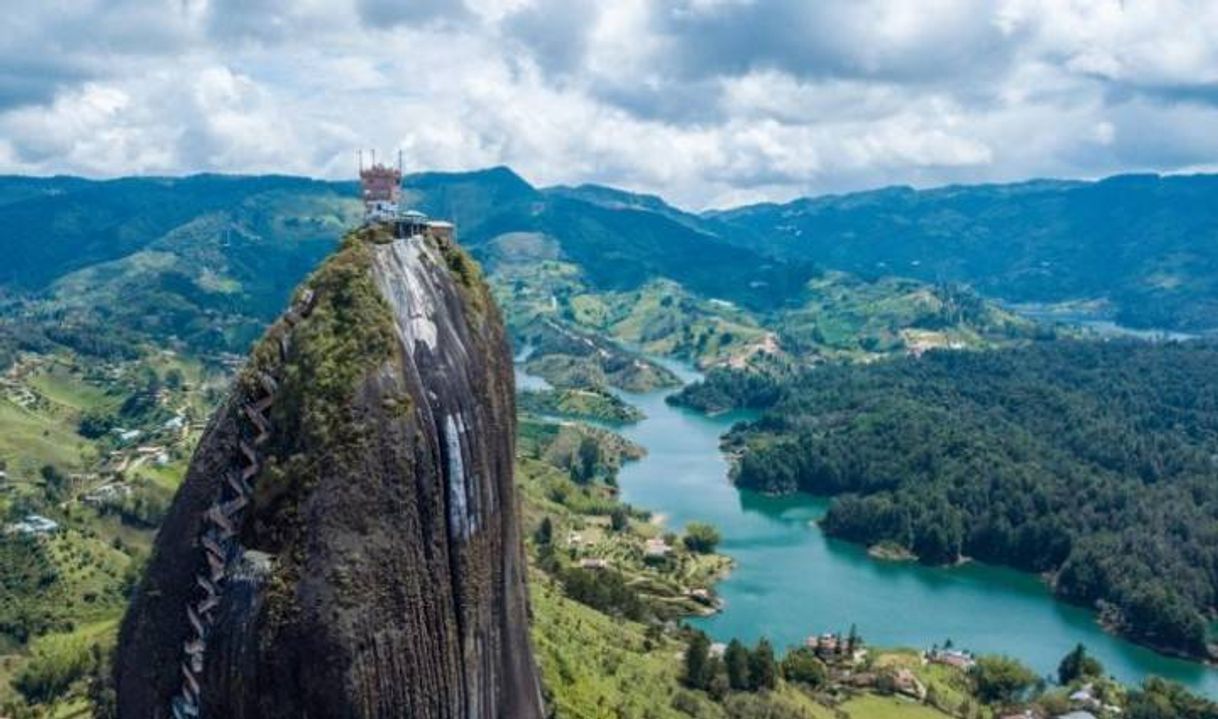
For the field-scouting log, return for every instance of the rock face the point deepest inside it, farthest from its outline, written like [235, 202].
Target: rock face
[347, 542]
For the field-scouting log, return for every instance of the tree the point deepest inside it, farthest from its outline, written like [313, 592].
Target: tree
[1151, 706]
[619, 519]
[717, 685]
[174, 379]
[586, 461]
[1001, 679]
[701, 538]
[605, 591]
[763, 670]
[56, 482]
[853, 640]
[736, 657]
[1077, 665]
[95, 423]
[802, 665]
[697, 661]
[898, 446]
[545, 532]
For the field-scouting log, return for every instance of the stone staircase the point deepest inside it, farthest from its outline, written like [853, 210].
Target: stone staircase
[222, 520]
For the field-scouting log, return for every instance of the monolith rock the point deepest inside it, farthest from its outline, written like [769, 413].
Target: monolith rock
[346, 542]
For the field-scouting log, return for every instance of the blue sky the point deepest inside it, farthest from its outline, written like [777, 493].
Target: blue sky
[706, 102]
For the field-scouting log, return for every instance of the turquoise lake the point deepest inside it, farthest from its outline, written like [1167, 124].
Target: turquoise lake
[790, 580]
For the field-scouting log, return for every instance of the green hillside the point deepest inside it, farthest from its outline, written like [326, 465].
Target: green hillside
[1145, 247]
[206, 260]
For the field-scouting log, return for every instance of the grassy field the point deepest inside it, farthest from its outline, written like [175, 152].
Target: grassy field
[59, 383]
[597, 666]
[30, 439]
[845, 317]
[874, 706]
[838, 317]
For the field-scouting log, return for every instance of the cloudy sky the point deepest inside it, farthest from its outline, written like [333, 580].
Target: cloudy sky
[707, 102]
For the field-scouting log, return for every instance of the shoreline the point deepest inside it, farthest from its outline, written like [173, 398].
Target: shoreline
[888, 552]
[1134, 672]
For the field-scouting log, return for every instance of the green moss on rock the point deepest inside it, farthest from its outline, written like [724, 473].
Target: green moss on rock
[468, 273]
[348, 334]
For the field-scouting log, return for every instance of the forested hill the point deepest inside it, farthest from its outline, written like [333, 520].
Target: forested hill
[620, 240]
[1146, 246]
[1095, 462]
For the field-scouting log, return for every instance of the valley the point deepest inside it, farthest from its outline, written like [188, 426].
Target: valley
[114, 356]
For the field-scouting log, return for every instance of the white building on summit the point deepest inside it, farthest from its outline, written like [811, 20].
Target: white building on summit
[381, 192]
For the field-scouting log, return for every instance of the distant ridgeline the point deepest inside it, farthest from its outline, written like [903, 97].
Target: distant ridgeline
[1094, 462]
[1144, 247]
[99, 266]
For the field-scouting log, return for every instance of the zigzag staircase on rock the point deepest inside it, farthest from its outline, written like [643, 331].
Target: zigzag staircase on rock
[222, 521]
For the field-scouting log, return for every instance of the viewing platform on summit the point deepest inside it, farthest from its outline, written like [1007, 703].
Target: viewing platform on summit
[381, 192]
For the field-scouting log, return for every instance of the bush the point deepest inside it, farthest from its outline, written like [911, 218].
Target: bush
[701, 538]
[802, 665]
[1001, 679]
[605, 591]
[1077, 665]
[1160, 699]
[687, 703]
[56, 663]
[94, 424]
[545, 532]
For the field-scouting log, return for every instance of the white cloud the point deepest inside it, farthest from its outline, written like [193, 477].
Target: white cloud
[706, 102]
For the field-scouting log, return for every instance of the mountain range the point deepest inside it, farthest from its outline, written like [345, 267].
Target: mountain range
[1143, 249]
[207, 259]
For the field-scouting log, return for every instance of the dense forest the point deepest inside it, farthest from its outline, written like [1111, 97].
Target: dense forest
[1096, 463]
[725, 389]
